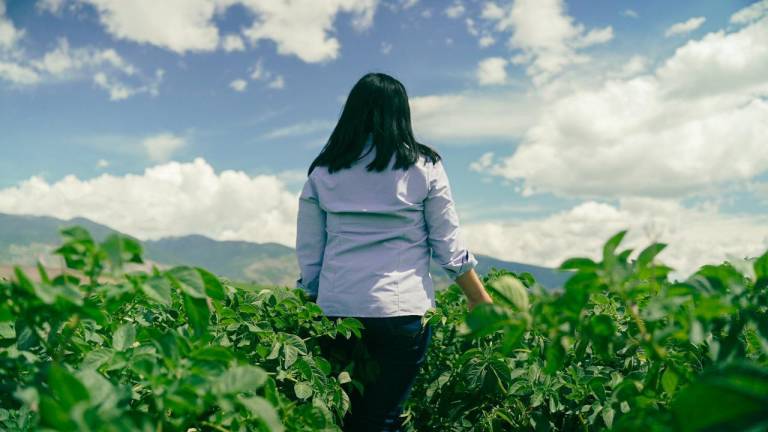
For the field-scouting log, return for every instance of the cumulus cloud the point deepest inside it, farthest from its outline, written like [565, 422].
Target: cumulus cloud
[161, 147]
[455, 10]
[108, 70]
[239, 85]
[232, 42]
[546, 36]
[751, 13]
[684, 27]
[260, 73]
[473, 116]
[177, 25]
[51, 6]
[9, 34]
[492, 71]
[172, 199]
[118, 90]
[630, 13]
[277, 83]
[696, 236]
[303, 29]
[699, 120]
[298, 28]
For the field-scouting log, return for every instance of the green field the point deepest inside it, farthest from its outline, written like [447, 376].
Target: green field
[619, 348]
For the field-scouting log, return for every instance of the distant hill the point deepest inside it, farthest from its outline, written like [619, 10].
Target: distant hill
[26, 239]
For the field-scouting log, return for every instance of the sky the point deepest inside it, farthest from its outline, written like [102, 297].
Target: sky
[560, 122]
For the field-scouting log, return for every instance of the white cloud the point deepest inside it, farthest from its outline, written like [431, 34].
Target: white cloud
[119, 90]
[634, 66]
[492, 71]
[492, 11]
[698, 121]
[685, 27]
[386, 48]
[102, 163]
[483, 163]
[303, 29]
[51, 6]
[232, 42]
[277, 83]
[172, 199]
[473, 116]
[486, 41]
[299, 129]
[630, 13]
[9, 34]
[260, 73]
[696, 236]
[63, 60]
[751, 13]
[546, 36]
[161, 147]
[177, 25]
[455, 10]
[300, 28]
[108, 70]
[18, 74]
[239, 85]
[720, 63]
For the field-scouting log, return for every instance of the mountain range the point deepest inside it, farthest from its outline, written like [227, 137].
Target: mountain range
[24, 240]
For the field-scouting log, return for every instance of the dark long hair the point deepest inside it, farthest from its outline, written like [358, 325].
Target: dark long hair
[377, 105]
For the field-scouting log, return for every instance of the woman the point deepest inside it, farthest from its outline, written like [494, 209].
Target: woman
[374, 204]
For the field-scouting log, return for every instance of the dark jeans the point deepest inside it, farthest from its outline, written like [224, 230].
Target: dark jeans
[397, 347]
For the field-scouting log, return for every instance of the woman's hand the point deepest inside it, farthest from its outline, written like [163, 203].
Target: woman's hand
[473, 288]
[471, 304]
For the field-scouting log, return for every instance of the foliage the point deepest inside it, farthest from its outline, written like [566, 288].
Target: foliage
[108, 349]
[621, 347]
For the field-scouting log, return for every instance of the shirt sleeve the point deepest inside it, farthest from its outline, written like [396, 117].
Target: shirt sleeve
[310, 239]
[445, 238]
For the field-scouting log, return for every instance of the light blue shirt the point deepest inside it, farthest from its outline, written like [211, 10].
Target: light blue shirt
[363, 238]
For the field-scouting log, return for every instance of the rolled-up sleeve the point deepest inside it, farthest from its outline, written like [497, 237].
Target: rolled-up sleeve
[310, 239]
[445, 239]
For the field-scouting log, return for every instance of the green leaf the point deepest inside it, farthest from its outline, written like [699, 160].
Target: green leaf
[24, 282]
[608, 414]
[66, 388]
[124, 337]
[578, 264]
[239, 379]
[158, 289]
[302, 389]
[213, 286]
[188, 280]
[76, 234]
[487, 318]
[610, 246]
[731, 398]
[555, 357]
[344, 377]
[669, 381]
[761, 266]
[198, 314]
[512, 291]
[261, 408]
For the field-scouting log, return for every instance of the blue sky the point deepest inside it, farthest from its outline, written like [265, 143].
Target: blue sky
[559, 122]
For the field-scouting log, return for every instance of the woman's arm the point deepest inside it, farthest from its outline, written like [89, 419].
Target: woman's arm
[445, 238]
[310, 239]
[473, 288]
